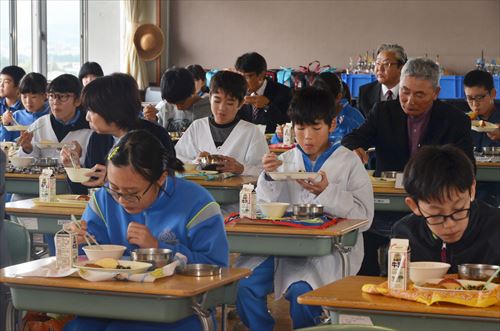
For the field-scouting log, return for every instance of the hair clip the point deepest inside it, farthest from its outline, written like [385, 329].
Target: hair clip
[113, 152]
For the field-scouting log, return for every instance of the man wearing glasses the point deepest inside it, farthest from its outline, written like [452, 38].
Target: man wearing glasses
[390, 59]
[447, 224]
[480, 94]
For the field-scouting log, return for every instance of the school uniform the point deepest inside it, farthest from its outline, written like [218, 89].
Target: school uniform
[349, 194]
[175, 120]
[23, 117]
[48, 128]
[4, 134]
[183, 218]
[479, 243]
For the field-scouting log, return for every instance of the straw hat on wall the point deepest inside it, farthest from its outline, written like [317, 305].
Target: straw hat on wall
[149, 41]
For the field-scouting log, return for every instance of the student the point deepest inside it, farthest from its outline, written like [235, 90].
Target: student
[267, 101]
[33, 89]
[200, 80]
[113, 106]
[65, 123]
[348, 119]
[180, 106]
[344, 189]
[89, 71]
[447, 223]
[130, 210]
[10, 77]
[480, 94]
[240, 143]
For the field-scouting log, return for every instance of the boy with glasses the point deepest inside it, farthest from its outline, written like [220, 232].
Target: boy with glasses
[447, 223]
[65, 124]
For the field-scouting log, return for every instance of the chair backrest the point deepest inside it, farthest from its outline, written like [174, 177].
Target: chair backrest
[153, 94]
[345, 327]
[18, 242]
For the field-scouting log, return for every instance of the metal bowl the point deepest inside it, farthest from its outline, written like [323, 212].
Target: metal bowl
[46, 162]
[307, 210]
[210, 162]
[389, 174]
[491, 150]
[159, 257]
[201, 270]
[477, 271]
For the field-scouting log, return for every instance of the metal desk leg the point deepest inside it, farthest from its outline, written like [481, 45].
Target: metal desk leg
[224, 317]
[334, 317]
[344, 255]
[204, 315]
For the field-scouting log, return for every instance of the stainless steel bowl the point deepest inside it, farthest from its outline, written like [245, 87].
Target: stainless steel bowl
[201, 270]
[210, 162]
[46, 162]
[159, 257]
[388, 174]
[307, 210]
[477, 271]
[491, 150]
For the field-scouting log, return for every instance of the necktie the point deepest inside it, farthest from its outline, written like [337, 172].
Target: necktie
[255, 110]
[389, 95]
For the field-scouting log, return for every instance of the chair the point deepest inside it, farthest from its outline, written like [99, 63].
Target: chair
[345, 327]
[18, 242]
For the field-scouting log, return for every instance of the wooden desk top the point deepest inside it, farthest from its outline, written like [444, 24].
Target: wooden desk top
[338, 229]
[30, 176]
[488, 164]
[346, 293]
[389, 190]
[231, 182]
[177, 285]
[28, 207]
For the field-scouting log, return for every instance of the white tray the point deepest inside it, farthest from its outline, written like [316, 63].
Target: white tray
[16, 127]
[136, 267]
[293, 175]
[49, 145]
[464, 282]
[488, 127]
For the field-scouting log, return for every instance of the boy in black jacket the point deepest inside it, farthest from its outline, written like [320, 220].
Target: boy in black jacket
[447, 224]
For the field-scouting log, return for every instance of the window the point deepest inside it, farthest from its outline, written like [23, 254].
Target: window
[4, 34]
[24, 40]
[63, 37]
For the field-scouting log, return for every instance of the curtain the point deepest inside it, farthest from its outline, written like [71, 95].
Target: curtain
[134, 65]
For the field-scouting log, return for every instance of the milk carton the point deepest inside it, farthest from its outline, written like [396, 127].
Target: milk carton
[47, 183]
[398, 264]
[288, 135]
[248, 201]
[66, 248]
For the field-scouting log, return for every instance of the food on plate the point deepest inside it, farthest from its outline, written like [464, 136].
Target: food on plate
[450, 283]
[83, 197]
[106, 263]
[453, 284]
[92, 265]
[472, 115]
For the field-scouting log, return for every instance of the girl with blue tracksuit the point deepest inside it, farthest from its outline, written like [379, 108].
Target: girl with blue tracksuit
[348, 119]
[144, 206]
[344, 189]
[34, 98]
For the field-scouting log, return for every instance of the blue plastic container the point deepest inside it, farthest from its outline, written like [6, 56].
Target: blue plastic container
[496, 81]
[452, 87]
[355, 81]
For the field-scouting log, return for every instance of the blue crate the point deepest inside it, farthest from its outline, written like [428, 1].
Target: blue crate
[452, 87]
[496, 81]
[355, 81]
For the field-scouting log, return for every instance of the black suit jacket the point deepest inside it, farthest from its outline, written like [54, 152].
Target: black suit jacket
[369, 95]
[275, 112]
[386, 129]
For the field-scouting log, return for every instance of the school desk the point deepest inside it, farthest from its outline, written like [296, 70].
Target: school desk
[345, 297]
[488, 171]
[227, 190]
[28, 184]
[277, 240]
[166, 300]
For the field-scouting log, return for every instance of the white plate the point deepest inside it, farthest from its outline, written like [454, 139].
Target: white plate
[488, 127]
[49, 145]
[16, 127]
[464, 282]
[135, 267]
[293, 175]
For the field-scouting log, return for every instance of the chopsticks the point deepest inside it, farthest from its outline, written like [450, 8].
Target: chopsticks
[86, 236]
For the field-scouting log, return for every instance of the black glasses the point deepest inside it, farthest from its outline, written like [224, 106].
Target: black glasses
[132, 198]
[456, 216]
[62, 97]
[385, 64]
[477, 98]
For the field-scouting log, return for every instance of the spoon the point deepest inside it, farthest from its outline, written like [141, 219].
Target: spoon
[491, 278]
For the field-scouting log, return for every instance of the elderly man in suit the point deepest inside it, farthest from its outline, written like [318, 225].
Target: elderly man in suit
[390, 60]
[397, 129]
[267, 101]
